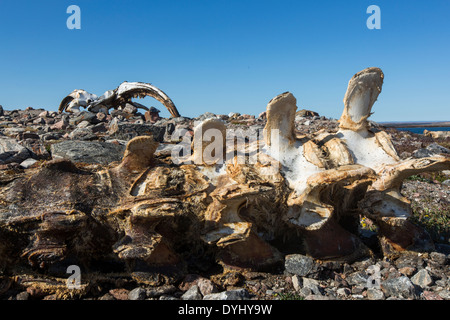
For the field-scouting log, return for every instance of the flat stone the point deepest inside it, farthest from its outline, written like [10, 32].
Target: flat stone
[28, 163]
[88, 151]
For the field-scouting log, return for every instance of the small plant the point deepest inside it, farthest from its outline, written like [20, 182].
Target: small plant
[288, 296]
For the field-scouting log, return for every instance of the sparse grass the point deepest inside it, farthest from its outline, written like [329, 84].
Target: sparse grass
[289, 296]
[435, 221]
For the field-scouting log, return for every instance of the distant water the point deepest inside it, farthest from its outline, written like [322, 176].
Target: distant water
[421, 129]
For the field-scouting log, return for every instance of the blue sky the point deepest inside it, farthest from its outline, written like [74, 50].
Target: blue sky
[229, 56]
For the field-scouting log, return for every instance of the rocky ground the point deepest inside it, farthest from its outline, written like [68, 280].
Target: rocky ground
[30, 137]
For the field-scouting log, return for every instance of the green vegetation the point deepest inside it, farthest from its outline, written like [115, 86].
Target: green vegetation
[435, 221]
[289, 296]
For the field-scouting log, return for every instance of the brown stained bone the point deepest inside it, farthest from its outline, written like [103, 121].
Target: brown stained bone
[209, 143]
[280, 118]
[153, 218]
[362, 92]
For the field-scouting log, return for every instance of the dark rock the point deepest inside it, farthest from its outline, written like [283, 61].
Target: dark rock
[127, 131]
[159, 291]
[300, 265]
[12, 151]
[88, 152]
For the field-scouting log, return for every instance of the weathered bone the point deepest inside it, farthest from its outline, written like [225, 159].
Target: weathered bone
[152, 214]
[116, 98]
[280, 117]
[362, 92]
[209, 143]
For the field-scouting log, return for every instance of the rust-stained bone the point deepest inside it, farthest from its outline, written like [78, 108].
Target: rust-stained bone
[154, 218]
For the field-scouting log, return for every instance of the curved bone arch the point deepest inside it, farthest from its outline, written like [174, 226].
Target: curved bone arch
[116, 98]
[152, 215]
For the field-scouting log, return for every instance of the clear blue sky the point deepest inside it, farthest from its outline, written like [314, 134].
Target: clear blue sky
[229, 56]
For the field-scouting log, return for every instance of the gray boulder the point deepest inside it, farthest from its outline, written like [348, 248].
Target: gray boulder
[127, 131]
[12, 151]
[88, 151]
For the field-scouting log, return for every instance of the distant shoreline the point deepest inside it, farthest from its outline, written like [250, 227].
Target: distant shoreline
[415, 124]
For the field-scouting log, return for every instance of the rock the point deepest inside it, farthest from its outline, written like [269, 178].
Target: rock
[167, 297]
[299, 264]
[101, 116]
[60, 125]
[2, 113]
[400, 286]
[22, 295]
[238, 294]
[206, 286]
[12, 151]
[159, 291]
[127, 131]
[422, 279]
[357, 278]
[296, 282]
[429, 295]
[206, 115]
[375, 294]
[446, 182]
[137, 294]
[422, 153]
[444, 294]
[83, 116]
[343, 292]
[28, 163]
[107, 296]
[119, 294]
[438, 149]
[129, 108]
[88, 152]
[306, 113]
[438, 257]
[318, 297]
[84, 124]
[407, 271]
[312, 284]
[192, 294]
[84, 134]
